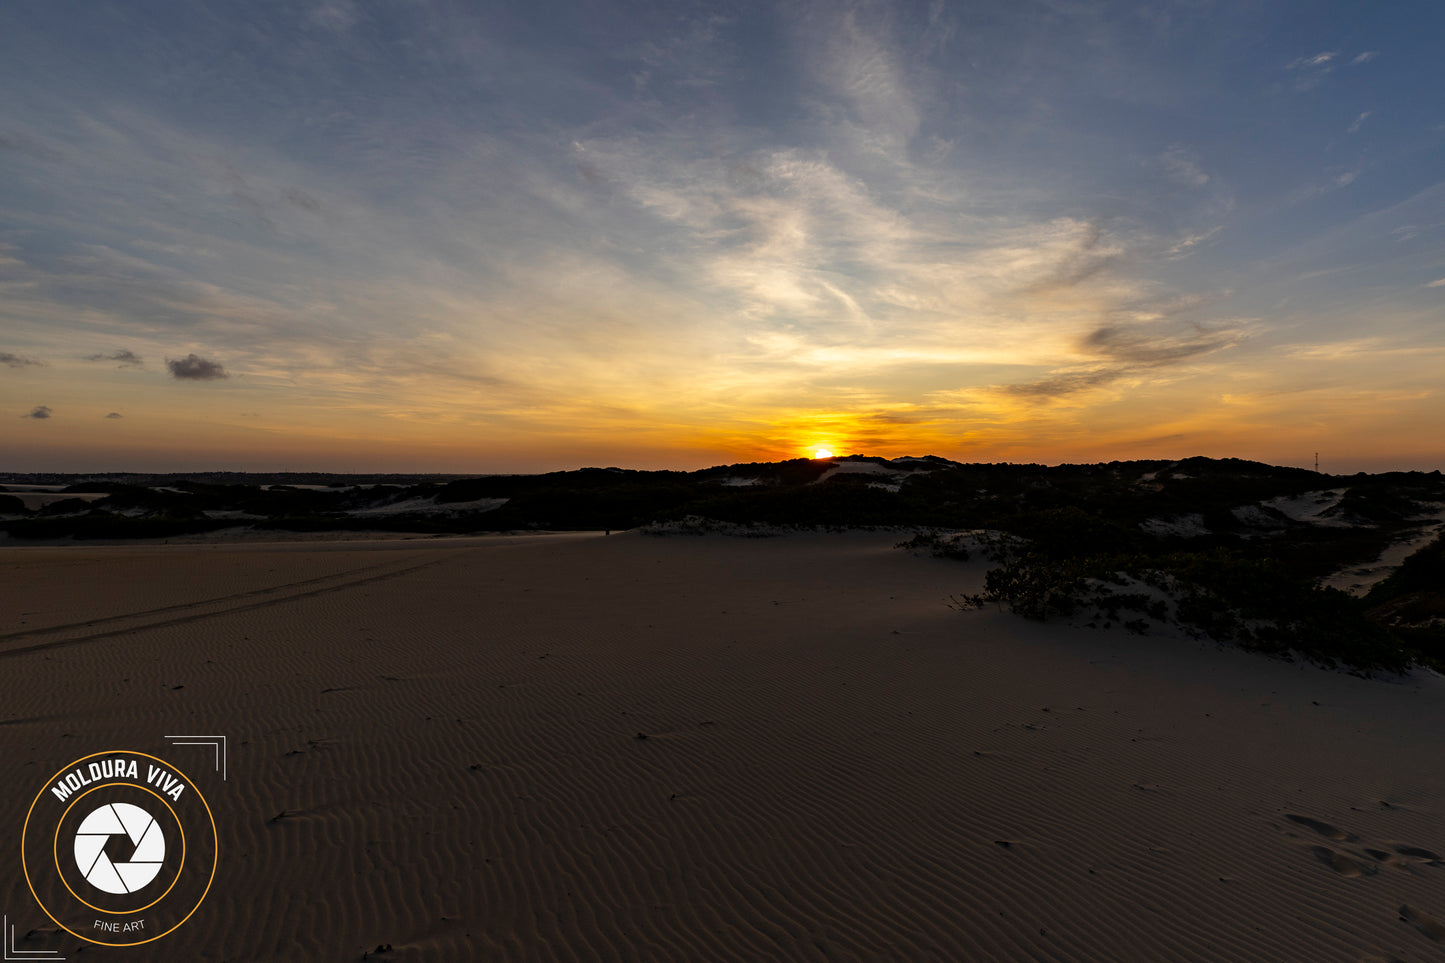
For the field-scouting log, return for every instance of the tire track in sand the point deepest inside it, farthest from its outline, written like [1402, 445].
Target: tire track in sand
[206, 608]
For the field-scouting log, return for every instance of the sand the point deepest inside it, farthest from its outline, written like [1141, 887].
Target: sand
[437, 745]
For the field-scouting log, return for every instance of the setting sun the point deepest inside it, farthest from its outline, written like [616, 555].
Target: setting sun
[822, 453]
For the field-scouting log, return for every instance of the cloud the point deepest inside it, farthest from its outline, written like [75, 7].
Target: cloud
[696, 55]
[856, 59]
[1186, 244]
[1436, 284]
[1081, 252]
[1358, 349]
[1139, 344]
[302, 200]
[336, 15]
[242, 193]
[1129, 350]
[1365, 57]
[750, 215]
[1318, 60]
[19, 361]
[195, 368]
[1336, 182]
[126, 358]
[115, 414]
[39, 412]
[29, 146]
[1182, 167]
[1059, 385]
[1358, 121]
[1310, 72]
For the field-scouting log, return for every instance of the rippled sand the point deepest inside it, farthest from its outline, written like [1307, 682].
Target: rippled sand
[583, 747]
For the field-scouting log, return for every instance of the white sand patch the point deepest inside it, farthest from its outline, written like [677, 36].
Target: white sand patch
[35, 500]
[1359, 579]
[889, 478]
[1150, 476]
[309, 488]
[1311, 507]
[1256, 516]
[985, 541]
[430, 506]
[698, 525]
[738, 481]
[1178, 526]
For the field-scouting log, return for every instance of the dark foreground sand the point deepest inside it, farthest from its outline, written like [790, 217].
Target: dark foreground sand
[436, 744]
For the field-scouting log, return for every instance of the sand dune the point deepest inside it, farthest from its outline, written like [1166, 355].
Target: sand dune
[581, 747]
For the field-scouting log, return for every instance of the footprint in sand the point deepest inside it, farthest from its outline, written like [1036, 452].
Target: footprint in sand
[1343, 864]
[1324, 829]
[1347, 866]
[1426, 924]
[1423, 855]
[1359, 864]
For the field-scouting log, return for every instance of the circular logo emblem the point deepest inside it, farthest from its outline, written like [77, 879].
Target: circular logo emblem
[119, 848]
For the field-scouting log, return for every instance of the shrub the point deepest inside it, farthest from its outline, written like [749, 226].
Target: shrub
[1217, 595]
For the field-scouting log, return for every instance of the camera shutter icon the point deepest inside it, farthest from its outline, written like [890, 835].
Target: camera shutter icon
[144, 833]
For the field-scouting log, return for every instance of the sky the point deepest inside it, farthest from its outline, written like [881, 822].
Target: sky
[405, 235]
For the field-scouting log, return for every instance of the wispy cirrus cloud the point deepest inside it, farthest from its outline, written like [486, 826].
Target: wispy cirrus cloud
[1144, 344]
[1131, 350]
[1355, 348]
[28, 146]
[1312, 70]
[861, 67]
[1320, 59]
[1182, 167]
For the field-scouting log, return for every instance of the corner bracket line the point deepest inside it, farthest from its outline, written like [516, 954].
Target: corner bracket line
[11, 953]
[219, 742]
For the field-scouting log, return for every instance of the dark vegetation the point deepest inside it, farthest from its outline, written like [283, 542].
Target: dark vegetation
[1223, 594]
[1411, 602]
[1108, 541]
[1251, 579]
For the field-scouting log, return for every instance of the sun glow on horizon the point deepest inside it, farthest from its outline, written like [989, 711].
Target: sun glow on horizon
[822, 453]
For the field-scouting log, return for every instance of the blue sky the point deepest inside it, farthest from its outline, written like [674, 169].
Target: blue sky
[408, 235]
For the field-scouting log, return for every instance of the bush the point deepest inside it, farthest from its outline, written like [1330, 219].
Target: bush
[939, 546]
[1216, 594]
